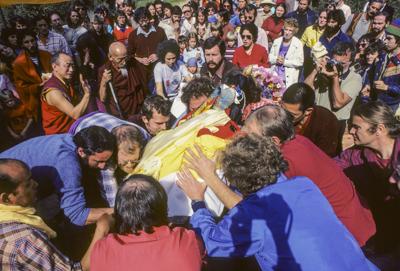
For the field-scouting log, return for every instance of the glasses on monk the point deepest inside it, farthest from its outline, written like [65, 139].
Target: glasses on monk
[249, 37]
[133, 162]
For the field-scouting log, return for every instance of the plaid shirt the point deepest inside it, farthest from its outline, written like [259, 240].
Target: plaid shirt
[55, 43]
[108, 183]
[23, 247]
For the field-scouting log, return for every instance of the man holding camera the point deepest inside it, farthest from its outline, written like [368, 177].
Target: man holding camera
[335, 84]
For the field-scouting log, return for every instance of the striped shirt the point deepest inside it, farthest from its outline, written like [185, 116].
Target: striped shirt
[107, 182]
[23, 247]
[55, 43]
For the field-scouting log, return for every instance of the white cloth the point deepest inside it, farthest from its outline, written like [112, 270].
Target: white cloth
[294, 59]
[180, 205]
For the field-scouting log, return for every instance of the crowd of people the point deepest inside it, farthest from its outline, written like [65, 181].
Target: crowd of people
[236, 134]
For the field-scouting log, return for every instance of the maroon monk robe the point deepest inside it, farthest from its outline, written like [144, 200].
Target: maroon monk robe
[129, 92]
[141, 46]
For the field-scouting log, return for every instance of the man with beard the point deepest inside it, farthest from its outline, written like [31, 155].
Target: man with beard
[58, 163]
[142, 47]
[31, 69]
[173, 26]
[217, 67]
[379, 23]
[56, 23]
[49, 41]
[304, 16]
[385, 85]
[362, 22]
[310, 120]
[120, 89]
[333, 34]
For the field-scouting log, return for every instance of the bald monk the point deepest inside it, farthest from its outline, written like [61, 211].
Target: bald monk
[61, 104]
[129, 93]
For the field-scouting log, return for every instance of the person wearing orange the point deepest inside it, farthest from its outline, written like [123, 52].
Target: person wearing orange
[31, 68]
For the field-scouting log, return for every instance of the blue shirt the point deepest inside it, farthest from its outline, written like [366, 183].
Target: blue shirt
[330, 44]
[287, 226]
[55, 165]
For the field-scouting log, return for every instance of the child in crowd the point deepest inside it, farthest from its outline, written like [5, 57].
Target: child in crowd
[194, 50]
[216, 30]
[182, 42]
[231, 45]
[192, 68]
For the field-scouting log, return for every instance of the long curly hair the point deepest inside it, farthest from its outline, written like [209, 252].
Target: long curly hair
[251, 162]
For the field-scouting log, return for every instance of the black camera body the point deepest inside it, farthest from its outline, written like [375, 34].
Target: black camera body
[333, 63]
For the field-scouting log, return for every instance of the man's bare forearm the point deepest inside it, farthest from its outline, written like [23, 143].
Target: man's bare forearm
[223, 192]
[96, 213]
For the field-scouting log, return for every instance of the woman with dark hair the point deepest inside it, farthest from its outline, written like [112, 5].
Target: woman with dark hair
[169, 73]
[9, 37]
[121, 28]
[167, 10]
[201, 24]
[273, 24]
[310, 37]
[362, 43]
[250, 53]
[151, 9]
[143, 238]
[73, 29]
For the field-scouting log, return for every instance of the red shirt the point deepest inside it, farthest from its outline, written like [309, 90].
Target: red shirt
[166, 249]
[274, 30]
[306, 159]
[258, 56]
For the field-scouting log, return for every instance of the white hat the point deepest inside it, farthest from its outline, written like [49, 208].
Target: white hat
[267, 2]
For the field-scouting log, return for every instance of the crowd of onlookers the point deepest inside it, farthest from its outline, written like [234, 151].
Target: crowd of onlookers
[228, 134]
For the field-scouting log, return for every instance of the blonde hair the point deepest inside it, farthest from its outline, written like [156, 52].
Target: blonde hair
[291, 22]
[231, 36]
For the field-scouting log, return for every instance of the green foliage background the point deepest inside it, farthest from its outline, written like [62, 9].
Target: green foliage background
[29, 11]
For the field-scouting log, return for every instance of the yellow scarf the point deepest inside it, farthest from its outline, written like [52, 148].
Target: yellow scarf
[25, 215]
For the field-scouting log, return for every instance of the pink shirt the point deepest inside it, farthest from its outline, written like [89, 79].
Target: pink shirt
[165, 249]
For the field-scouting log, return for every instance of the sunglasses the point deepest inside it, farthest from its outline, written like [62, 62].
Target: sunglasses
[363, 45]
[249, 37]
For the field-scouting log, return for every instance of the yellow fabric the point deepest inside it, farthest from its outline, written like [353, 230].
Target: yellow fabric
[163, 155]
[33, 2]
[25, 215]
[311, 36]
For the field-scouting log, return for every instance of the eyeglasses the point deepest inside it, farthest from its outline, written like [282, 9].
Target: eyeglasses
[227, 6]
[363, 45]
[186, 11]
[133, 162]
[248, 17]
[249, 37]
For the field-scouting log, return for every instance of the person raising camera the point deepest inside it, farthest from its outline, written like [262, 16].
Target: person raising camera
[336, 85]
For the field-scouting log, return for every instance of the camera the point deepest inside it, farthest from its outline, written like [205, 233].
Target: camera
[333, 63]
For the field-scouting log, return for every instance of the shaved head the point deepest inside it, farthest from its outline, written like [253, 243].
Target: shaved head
[117, 55]
[117, 48]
